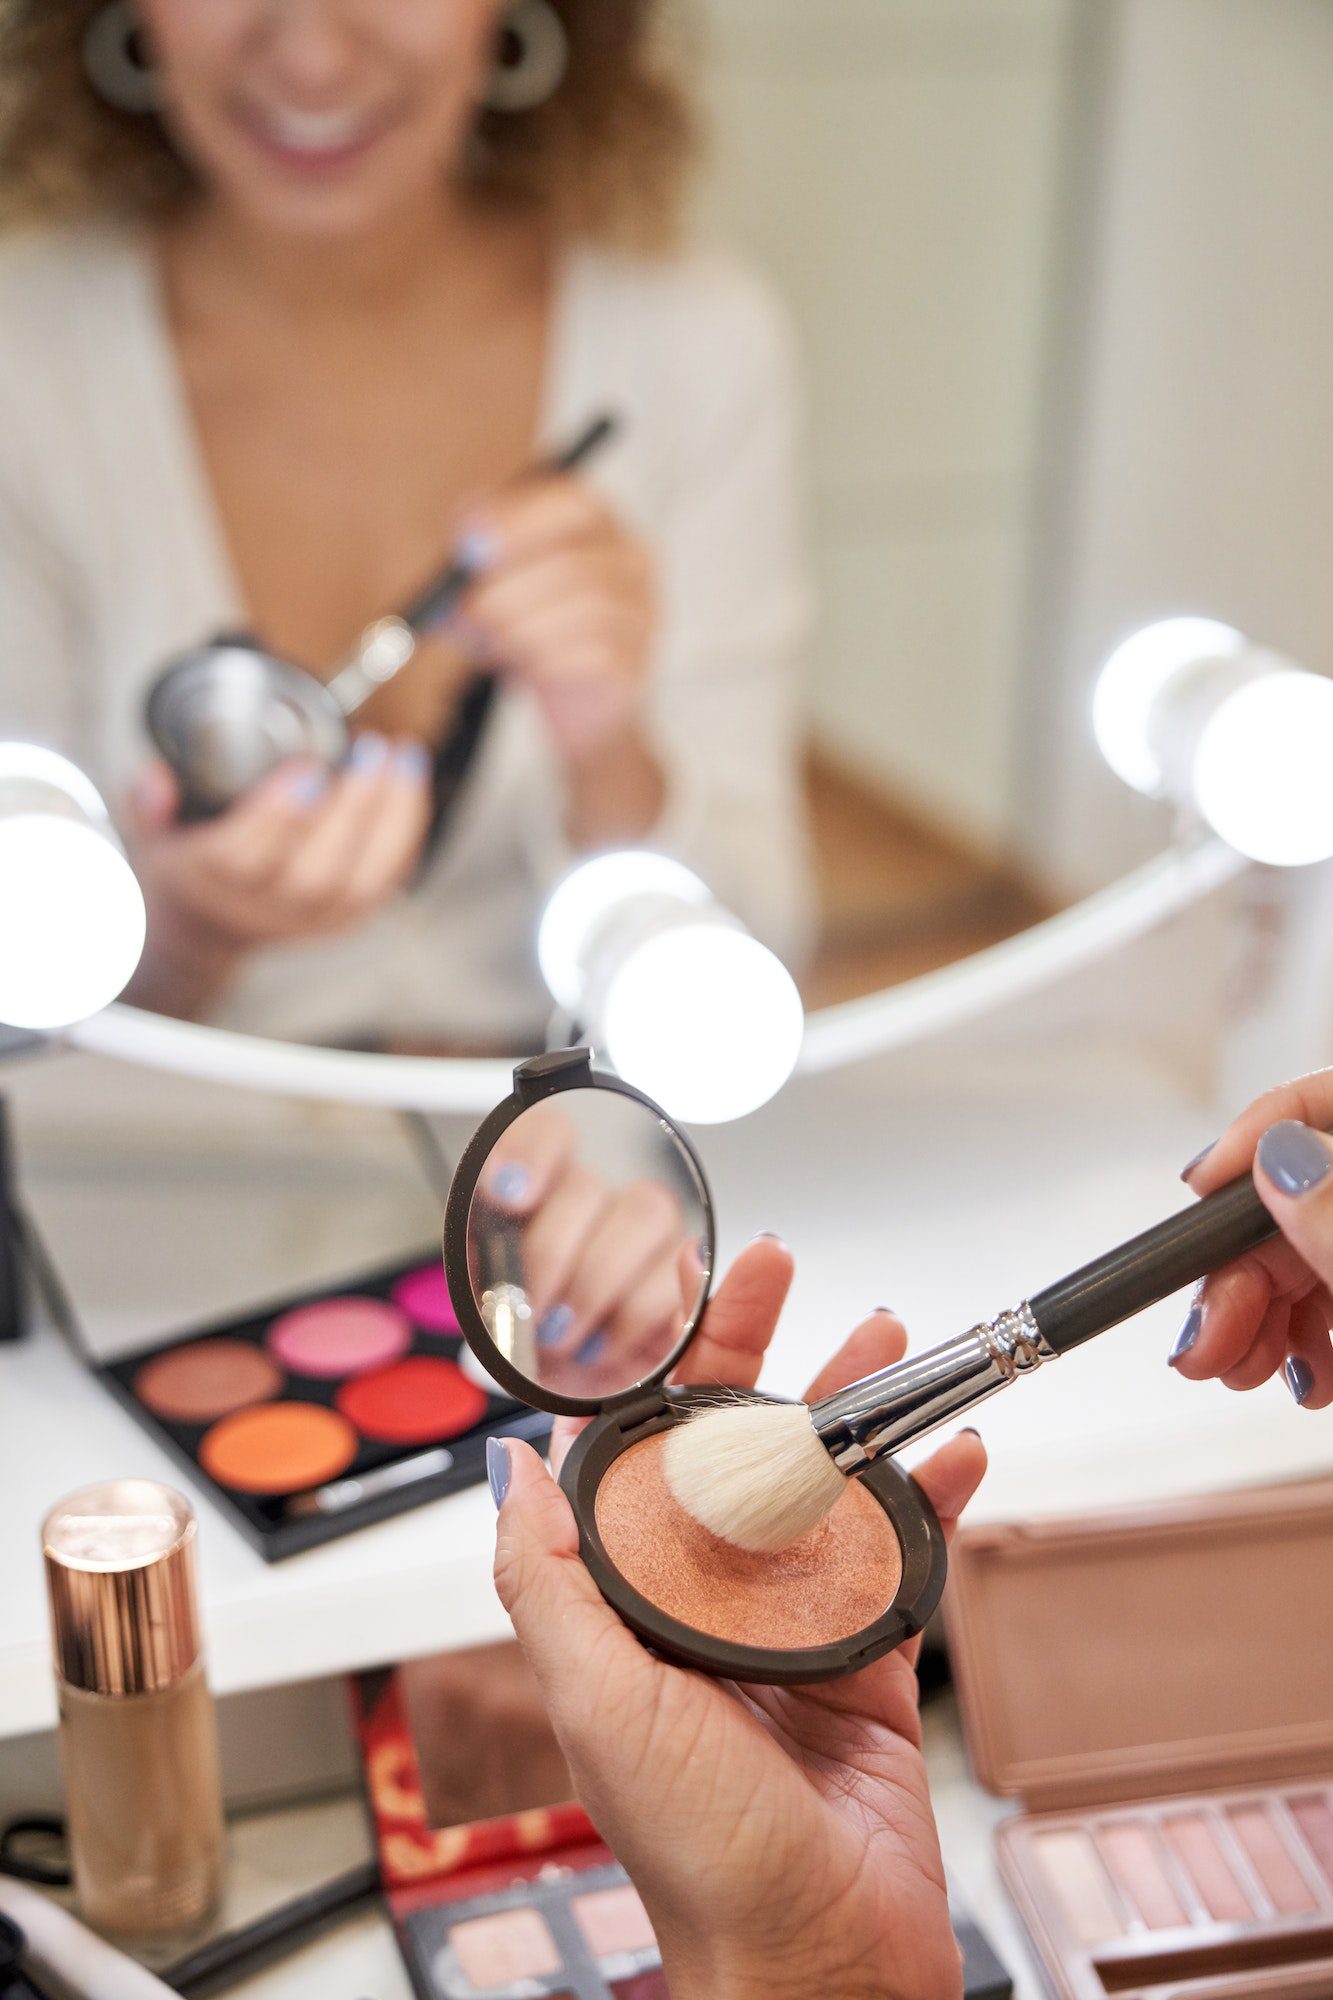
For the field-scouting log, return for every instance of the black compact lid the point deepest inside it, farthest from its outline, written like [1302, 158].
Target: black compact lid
[578, 1239]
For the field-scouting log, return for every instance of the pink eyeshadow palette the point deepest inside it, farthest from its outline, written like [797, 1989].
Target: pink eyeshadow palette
[570, 1933]
[1192, 1898]
[316, 1415]
[528, 1906]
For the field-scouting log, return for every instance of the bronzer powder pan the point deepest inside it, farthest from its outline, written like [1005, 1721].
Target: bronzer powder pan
[316, 1415]
[578, 1250]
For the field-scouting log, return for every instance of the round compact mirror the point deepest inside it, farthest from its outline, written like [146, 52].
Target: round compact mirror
[578, 1245]
[579, 1231]
[227, 714]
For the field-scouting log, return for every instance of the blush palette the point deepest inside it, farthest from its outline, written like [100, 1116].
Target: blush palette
[316, 1415]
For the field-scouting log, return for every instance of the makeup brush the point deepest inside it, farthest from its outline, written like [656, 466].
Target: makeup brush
[762, 1474]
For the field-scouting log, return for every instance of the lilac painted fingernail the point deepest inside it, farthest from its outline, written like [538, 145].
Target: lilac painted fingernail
[412, 761]
[368, 753]
[497, 1469]
[477, 548]
[593, 1348]
[1294, 1158]
[1300, 1377]
[1197, 1161]
[554, 1324]
[307, 785]
[1190, 1329]
[511, 1181]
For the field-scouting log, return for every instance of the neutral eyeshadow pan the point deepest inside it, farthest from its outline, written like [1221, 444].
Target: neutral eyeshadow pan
[833, 1582]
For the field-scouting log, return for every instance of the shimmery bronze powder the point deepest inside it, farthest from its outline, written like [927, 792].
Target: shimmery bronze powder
[835, 1581]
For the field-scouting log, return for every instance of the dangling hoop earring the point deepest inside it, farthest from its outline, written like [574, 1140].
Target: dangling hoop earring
[113, 60]
[531, 59]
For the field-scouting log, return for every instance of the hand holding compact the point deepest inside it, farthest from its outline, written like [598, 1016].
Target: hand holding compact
[1272, 1309]
[307, 852]
[781, 1838]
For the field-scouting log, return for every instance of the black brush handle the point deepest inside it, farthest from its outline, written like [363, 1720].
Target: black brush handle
[441, 595]
[1150, 1267]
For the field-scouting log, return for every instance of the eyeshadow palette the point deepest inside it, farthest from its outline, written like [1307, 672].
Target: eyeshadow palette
[576, 1931]
[315, 1415]
[1181, 1846]
[1215, 1895]
[530, 1906]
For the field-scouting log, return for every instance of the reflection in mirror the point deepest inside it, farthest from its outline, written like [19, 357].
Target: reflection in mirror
[587, 1244]
[955, 322]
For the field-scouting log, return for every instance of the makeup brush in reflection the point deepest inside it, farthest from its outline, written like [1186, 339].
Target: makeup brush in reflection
[762, 1474]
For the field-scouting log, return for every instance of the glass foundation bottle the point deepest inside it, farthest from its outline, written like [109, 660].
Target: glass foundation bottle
[138, 1733]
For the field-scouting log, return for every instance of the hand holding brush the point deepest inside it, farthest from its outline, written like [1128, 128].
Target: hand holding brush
[760, 1475]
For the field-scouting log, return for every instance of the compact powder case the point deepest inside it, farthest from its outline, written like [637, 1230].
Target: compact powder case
[578, 1246]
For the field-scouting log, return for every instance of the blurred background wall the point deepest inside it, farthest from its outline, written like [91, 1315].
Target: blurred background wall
[1063, 270]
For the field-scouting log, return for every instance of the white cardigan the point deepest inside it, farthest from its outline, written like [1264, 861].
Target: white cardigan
[112, 559]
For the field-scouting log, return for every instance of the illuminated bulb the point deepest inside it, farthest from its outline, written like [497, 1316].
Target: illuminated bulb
[687, 1005]
[1262, 769]
[72, 919]
[1191, 710]
[1133, 681]
[704, 1019]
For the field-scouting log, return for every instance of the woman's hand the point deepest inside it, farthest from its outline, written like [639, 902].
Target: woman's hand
[305, 853]
[782, 1839]
[566, 604]
[1273, 1308]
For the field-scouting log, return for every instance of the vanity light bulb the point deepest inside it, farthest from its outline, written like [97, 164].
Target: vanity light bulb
[1135, 676]
[705, 1019]
[1261, 769]
[72, 918]
[596, 893]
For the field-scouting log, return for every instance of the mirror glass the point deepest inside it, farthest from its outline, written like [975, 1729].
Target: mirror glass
[926, 400]
[588, 1252]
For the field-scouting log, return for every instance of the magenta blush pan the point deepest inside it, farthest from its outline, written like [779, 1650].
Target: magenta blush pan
[424, 1296]
[334, 1338]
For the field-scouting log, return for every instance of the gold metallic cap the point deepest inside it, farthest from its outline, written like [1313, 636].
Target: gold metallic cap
[120, 1577]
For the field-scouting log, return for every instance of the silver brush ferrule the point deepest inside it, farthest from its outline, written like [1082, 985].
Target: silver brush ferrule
[887, 1411]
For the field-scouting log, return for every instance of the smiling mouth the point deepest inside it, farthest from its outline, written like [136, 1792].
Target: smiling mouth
[313, 139]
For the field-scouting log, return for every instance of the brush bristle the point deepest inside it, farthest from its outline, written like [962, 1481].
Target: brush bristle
[754, 1473]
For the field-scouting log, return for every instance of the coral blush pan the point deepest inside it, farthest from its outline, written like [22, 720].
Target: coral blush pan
[278, 1448]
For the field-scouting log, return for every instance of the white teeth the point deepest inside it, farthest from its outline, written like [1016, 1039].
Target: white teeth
[315, 131]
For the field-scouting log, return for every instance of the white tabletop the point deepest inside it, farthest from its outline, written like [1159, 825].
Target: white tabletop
[947, 1182]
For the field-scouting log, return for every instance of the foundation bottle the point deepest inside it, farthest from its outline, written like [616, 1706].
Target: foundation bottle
[138, 1734]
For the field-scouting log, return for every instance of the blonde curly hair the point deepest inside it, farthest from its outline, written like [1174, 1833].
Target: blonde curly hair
[605, 156]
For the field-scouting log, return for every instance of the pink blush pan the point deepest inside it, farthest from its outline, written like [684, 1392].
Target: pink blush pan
[338, 1337]
[424, 1296]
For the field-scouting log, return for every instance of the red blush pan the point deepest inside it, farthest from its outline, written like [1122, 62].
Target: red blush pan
[417, 1401]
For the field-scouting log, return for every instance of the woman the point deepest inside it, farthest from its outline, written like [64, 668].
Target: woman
[782, 1839]
[290, 298]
